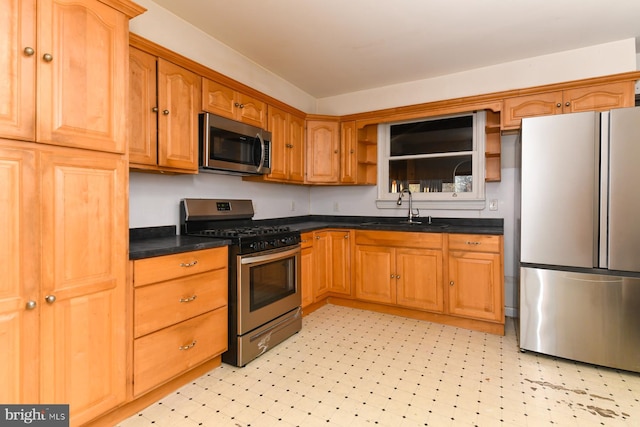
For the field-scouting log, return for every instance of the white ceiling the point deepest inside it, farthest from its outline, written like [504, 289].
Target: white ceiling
[331, 47]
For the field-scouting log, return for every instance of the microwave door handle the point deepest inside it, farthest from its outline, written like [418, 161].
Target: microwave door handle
[263, 154]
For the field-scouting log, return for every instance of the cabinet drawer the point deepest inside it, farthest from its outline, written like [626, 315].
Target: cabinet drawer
[163, 304]
[474, 242]
[167, 267]
[306, 240]
[169, 352]
[400, 239]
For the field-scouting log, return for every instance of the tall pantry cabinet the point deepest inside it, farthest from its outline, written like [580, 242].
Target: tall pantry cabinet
[63, 188]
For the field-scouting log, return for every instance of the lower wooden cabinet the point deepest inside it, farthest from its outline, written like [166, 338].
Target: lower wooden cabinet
[180, 314]
[399, 268]
[476, 271]
[62, 294]
[332, 263]
[307, 269]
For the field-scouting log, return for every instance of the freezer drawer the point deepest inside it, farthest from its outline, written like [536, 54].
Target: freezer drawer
[585, 317]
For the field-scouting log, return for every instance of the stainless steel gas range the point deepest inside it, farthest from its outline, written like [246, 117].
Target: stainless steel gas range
[264, 274]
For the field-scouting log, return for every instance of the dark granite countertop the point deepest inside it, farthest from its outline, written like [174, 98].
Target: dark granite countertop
[155, 241]
[150, 242]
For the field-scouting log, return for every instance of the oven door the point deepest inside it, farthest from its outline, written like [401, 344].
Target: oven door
[268, 286]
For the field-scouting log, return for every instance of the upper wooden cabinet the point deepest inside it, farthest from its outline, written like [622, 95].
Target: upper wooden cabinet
[323, 151]
[164, 102]
[287, 149]
[227, 102]
[348, 157]
[588, 98]
[60, 59]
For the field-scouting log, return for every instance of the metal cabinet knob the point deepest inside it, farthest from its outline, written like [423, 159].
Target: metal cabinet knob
[241, 105]
[558, 105]
[335, 151]
[50, 299]
[567, 104]
[154, 109]
[451, 283]
[31, 305]
[29, 51]
[236, 104]
[165, 112]
[393, 276]
[346, 236]
[47, 57]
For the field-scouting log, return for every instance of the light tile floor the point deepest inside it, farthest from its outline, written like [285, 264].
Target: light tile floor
[354, 368]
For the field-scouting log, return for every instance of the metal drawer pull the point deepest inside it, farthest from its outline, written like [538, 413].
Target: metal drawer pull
[473, 243]
[188, 299]
[187, 347]
[188, 264]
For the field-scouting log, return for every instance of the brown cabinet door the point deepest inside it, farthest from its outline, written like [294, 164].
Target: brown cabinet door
[340, 262]
[178, 108]
[541, 104]
[296, 149]
[419, 279]
[18, 56]
[323, 151]
[348, 158]
[322, 266]
[278, 126]
[250, 110]
[375, 274]
[307, 276]
[218, 99]
[475, 285]
[599, 98]
[80, 84]
[19, 262]
[143, 108]
[84, 246]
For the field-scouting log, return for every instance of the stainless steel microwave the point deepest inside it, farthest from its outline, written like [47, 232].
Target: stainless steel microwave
[231, 147]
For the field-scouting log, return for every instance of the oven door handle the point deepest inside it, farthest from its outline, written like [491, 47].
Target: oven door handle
[269, 257]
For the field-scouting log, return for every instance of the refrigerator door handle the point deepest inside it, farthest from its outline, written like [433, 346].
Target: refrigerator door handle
[602, 235]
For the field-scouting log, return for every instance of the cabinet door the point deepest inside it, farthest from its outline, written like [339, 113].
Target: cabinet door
[375, 266]
[475, 285]
[296, 149]
[599, 98]
[143, 108]
[540, 104]
[307, 276]
[19, 265]
[278, 126]
[323, 151]
[178, 105]
[18, 58]
[419, 279]
[218, 99]
[250, 110]
[339, 263]
[322, 266]
[84, 242]
[82, 84]
[348, 158]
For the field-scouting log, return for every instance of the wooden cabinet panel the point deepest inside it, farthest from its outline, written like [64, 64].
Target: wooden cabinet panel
[19, 263]
[178, 108]
[84, 239]
[227, 102]
[599, 98]
[375, 266]
[419, 279]
[349, 157]
[587, 98]
[323, 152]
[162, 355]
[307, 267]
[78, 104]
[178, 300]
[18, 69]
[143, 108]
[332, 263]
[287, 146]
[167, 267]
[475, 285]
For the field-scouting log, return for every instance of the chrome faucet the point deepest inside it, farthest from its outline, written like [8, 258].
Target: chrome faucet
[411, 214]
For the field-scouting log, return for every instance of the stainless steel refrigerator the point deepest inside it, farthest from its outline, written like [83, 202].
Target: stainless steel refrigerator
[580, 237]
